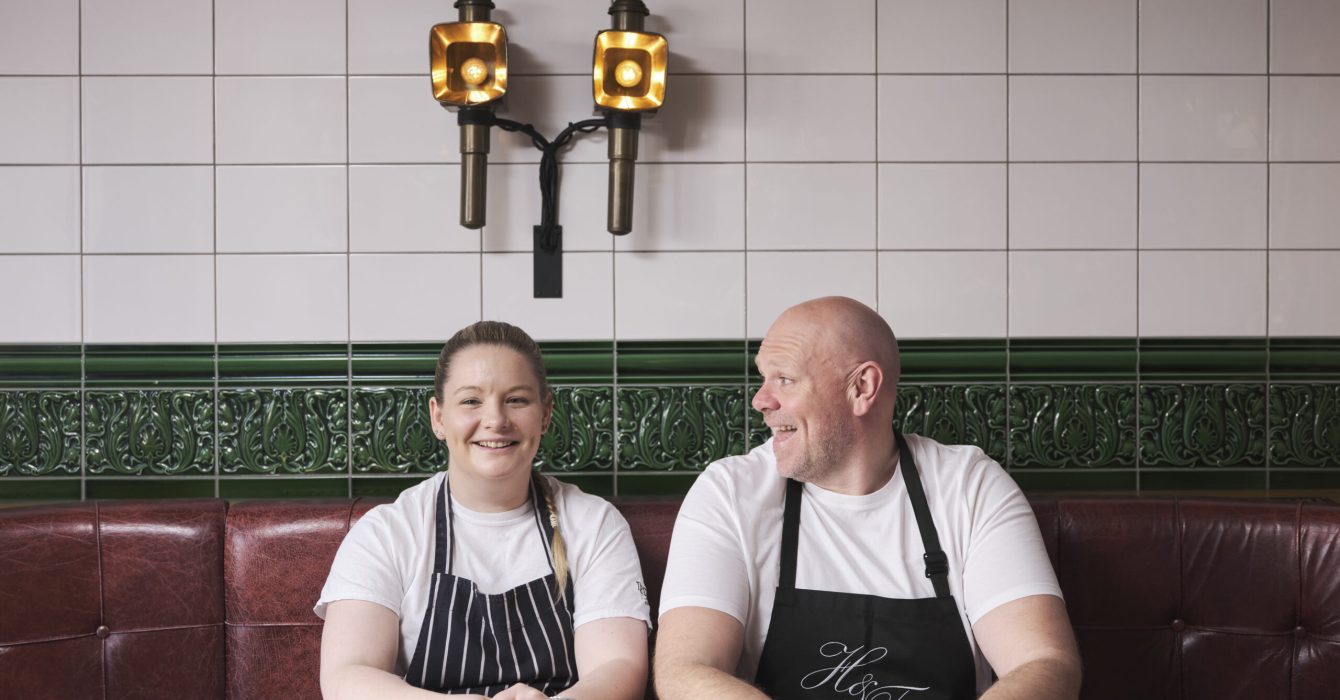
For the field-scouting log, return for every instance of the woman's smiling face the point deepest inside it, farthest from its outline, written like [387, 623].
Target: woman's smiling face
[492, 413]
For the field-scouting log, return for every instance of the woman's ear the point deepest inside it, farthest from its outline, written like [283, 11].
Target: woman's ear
[435, 417]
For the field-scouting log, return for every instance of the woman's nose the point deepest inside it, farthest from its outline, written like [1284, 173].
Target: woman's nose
[496, 417]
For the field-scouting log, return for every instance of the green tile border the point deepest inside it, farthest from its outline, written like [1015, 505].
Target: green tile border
[1083, 359]
[681, 362]
[1303, 359]
[139, 488]
[314, 364]
[1221, 359]
[134, 366]
[41, 366]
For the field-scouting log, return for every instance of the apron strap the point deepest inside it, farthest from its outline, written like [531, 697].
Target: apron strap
[937, 563]
[442, 550]
[790, 534]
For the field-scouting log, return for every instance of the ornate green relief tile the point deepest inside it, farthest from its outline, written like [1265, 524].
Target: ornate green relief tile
[759, 432]
[1305, 425]
[39, 433]
[581, 436]
[135, 366]
[1073, 359]
[392, 432]
[283, 430]
[149, 432]
[47, 366]
[1218, 359]
[952, 360]
[682, 362]
[1065, 425]
[1202, 425]
[316, 364]
[679, 427]
[1301, 359]
[955, 414]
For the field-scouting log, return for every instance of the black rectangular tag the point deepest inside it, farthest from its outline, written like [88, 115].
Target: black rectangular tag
[548, 266]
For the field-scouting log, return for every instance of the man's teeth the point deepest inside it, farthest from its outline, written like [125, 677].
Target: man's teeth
[783, 428]
[494, 443]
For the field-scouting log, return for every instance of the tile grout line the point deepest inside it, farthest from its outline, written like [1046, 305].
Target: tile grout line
[1009, 379]
[83, 303]
[214, 226]
[1139, 379]
[744, 204]
[348, 283]
[1269, 378]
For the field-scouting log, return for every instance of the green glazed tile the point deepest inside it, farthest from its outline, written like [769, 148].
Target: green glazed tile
[1203, 480]
[295, 431]
[140, 488]
[401, 364]
[955, 414]
[670, 362]
[683, 427]
[1075, 481]
[926, 361]
[39, 433]
[389, 488]
[1303, 359]
[40, 366]
[136, 366]
[392, 432]
[1069, 425]
[316, 364]
[648, 484]
[579, 363]
[149, 432]
[1219, 359]
[1202, 425]
[1073, 360]
[759, 432]
[1305, 425]
[19, 491]
[581, 435]
[1304, 479]
[246, 489]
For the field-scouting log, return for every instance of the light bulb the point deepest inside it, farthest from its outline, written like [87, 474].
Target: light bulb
[474, 71]
[628, 73]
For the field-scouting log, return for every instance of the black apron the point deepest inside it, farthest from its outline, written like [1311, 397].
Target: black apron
[480, 643]
[824, 644]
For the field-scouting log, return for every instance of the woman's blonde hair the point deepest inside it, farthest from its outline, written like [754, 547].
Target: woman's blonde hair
[505, 335]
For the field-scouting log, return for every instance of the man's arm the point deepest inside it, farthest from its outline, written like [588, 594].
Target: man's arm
[1030, 645]
[697, 650]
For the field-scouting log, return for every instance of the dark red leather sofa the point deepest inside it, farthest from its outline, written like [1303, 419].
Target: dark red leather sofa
[197, 599]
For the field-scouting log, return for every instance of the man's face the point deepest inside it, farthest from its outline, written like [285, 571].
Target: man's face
[803, 399]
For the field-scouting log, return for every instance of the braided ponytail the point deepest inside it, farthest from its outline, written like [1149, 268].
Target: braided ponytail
[560, 550]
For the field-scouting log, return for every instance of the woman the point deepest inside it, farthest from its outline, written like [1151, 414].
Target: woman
[488, 580]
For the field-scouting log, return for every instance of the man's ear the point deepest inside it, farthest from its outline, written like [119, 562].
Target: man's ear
[863, 387]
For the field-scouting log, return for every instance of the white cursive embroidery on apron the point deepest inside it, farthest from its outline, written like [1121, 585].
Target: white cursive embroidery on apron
[865, 687]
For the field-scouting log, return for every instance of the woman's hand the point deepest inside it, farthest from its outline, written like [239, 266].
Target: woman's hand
[520, 691]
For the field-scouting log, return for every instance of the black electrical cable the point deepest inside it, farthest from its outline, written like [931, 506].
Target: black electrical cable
[549, 169]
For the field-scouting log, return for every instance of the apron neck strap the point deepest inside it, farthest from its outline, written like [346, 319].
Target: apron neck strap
[937, 563]
[790, 534]
[444, 553]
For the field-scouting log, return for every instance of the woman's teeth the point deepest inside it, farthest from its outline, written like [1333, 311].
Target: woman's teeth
[495, 444]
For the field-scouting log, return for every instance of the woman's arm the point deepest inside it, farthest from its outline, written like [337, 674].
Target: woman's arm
[358, 649]
[611, 660]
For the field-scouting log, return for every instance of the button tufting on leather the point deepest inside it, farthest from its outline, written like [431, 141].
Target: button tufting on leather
[102, 632]
[1299, 632]
[1178, 625]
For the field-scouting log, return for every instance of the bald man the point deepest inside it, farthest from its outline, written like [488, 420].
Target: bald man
[841, 560]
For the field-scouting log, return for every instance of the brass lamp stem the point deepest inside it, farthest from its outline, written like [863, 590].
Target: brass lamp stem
[623, 157]
[474, 173]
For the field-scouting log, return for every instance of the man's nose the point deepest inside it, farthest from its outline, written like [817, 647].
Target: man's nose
[763, 399]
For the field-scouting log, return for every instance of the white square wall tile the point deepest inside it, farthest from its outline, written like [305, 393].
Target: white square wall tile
[704, 35]
[283, 298]
[148, 120]
[942, 207]
[674, 296]
[407, 208]
[39, 37]
[148, 299]
[49, 288]
[513, 207]
[958, 294]
[941, 118]
[149, 209]
[778, 281]
[1303, 290]
[125, 37]
[1072, 293]
[941, 36]
[39, 209]
[1072, 36]
[702, 121]
[389, 37]
[281, 120]
[1072, 118]
[1192, 205]
[1072, 205]
[792, 117]
[1202, 118]
[396, 120]
[1303, 36]
[413, 297]
[1202, 293]
[686, 206]
[289, 37]
[282, 209]
[40, 121]
[789, 37]
[818, 206]
[1303, 115]
[1203, 36]
[1305, 206]
[586, 311]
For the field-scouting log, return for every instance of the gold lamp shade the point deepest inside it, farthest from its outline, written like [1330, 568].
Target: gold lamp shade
[469, 62]
[629, 72]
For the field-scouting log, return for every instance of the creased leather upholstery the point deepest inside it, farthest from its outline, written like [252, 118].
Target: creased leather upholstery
[1170, 599]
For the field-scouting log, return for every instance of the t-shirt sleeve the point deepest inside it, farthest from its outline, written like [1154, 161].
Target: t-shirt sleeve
[366, 567]
[706, 565]
[1006, 558]
[607, 574]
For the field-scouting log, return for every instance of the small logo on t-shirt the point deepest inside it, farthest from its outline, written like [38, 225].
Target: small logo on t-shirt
[642, 589]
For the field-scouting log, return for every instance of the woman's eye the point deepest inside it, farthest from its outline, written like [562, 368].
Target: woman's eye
[517, 401]
[470, 402]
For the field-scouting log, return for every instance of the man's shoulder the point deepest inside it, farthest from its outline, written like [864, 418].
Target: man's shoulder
[950, 464]
[743, 468]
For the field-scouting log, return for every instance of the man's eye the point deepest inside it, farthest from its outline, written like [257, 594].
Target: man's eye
[783, 380]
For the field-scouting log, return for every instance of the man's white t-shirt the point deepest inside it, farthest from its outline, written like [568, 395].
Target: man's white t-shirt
[387, 557]
[726, 550]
